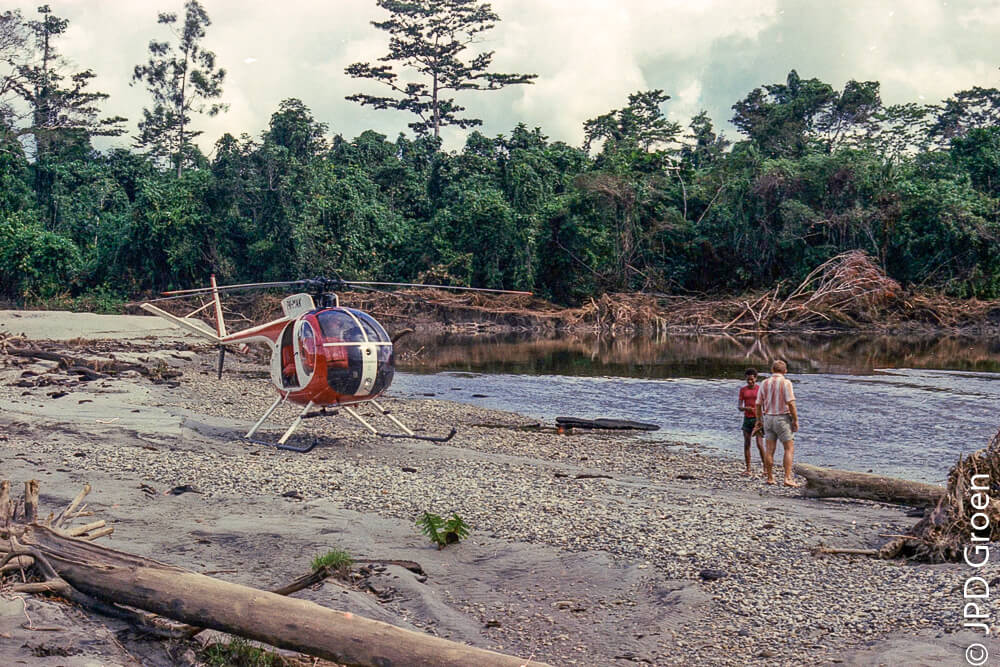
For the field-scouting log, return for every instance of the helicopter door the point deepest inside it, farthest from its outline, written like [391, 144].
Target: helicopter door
[306, 348]
[297, 355]
[285, 370]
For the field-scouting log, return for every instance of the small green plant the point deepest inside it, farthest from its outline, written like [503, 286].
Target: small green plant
[443, 532]
[334, 560]
[240, 653]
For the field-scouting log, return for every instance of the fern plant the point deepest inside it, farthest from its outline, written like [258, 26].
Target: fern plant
[443, 532]
[336, 560]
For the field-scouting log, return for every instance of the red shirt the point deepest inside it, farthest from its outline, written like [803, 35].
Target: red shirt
[748, 396]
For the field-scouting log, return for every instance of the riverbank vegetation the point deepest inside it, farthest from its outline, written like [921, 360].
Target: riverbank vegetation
[643, 206]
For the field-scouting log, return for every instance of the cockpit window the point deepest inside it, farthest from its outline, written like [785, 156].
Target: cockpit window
[338, 326]
[374, 330]
[307, 343]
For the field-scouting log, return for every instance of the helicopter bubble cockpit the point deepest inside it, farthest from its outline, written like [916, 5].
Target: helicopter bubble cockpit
[348, 347]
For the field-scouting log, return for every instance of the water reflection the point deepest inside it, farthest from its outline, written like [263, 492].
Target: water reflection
[691, 356]
[937, 402]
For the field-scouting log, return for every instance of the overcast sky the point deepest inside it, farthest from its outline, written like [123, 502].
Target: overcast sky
[588, 55]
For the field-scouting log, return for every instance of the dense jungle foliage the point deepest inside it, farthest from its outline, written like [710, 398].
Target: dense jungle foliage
[643, 205]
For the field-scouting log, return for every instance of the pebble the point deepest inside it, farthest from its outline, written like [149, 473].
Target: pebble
[502, 482]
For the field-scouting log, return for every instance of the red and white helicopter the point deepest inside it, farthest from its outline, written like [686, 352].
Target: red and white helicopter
[323, 355]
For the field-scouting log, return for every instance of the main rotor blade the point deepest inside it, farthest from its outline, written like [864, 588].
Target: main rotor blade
[468, 289]
[228, 288]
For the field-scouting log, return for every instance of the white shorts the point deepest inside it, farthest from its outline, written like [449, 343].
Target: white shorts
[778, 427]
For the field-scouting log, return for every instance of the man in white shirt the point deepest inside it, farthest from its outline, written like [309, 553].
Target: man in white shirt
[778, 419]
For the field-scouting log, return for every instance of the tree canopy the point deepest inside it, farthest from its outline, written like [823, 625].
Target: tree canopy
[430, 37]
[643, 204]
[181, 79]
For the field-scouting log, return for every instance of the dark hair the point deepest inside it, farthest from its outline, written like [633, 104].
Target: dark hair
[751, 371]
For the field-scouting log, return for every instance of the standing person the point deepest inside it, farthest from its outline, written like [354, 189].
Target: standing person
[747, 405]
[778, 419]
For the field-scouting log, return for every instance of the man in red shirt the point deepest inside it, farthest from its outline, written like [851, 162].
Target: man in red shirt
[747, 404]
[778, 419]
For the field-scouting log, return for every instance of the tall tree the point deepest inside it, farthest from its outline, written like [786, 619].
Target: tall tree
[13, 42]
[61, 109]
[705, 147]
[967, 110]
[641, 124]
[899, 129]
[847, 115]
[783, 117]
[182, 79]
[430, 36]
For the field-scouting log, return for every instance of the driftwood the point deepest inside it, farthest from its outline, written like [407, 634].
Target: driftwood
[117, 583]
[90, 369]
[830, 483]
[965, 518]
[613, 424]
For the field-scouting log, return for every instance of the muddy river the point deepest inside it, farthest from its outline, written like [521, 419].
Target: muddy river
[898, 406]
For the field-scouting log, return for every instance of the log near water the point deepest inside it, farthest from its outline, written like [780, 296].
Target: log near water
[112, 581]
[299, 625]
[830, 483]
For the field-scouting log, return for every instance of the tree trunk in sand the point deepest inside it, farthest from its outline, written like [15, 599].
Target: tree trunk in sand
[829, 483]
[299, 625]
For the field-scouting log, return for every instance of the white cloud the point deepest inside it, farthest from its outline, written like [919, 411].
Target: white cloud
[589, 55]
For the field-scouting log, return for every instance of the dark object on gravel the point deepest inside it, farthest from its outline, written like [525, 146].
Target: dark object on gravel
[712, 575]
[183, 488]
[614, 424]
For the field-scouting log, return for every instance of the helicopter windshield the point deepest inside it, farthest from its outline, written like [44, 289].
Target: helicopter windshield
[376, 333]
[337, 325]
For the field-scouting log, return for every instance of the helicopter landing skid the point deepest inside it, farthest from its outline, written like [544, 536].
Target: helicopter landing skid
[281, 444]
[305, 414]
[407, 433]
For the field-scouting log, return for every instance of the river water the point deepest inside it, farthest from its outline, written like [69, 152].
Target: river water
[897, 406]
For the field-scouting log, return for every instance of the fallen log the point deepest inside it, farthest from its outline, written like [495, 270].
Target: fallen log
[613, 424]
[120, 578]
[116, 583]
[830, 483]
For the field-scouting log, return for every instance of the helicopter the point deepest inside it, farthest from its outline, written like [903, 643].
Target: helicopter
[323, 355]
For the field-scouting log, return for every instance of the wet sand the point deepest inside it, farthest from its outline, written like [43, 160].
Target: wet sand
[589, 549]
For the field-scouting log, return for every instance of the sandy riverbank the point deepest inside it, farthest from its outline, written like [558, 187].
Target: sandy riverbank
[568, 570]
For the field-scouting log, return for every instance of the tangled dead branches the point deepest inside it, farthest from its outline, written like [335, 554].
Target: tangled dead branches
[621, 312]
[973, 491]
[845, 290]
[968, 514]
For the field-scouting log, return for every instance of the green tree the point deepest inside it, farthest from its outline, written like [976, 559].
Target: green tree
[13, 50]
[898, 130]
[62, 109]
[640, 125]
[978, 153]
[704, 147]
[848, 112]
[34, 262]
[967, 109]
[430, 37]
[181, 79]
[782, 117]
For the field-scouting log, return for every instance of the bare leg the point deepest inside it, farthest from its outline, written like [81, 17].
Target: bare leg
[746, 453]
[786, 461]
[769, 460]
[760, 446]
